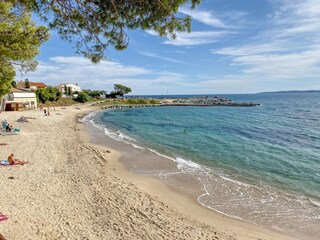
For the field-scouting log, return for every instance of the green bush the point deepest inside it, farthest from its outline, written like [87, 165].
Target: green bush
[141, 101]
[48, 94]
[152, 101]
[82, 97]
[131, 101]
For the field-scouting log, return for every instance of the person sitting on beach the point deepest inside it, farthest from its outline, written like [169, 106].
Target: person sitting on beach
[9, 128]
[12, 161]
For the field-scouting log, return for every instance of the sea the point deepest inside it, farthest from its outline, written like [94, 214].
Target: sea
[258, 164]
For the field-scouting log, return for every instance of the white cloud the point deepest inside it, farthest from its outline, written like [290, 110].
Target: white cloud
[288, 49]
[196, 38]
[294, 65]
[107, 68]
[77, 69]
[201, 37]
[152, 32]
[103, 75]
[297, 17]
[250, 49]
[206, 17]
[168, 59]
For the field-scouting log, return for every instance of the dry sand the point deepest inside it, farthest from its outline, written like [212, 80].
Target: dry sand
[72, 189]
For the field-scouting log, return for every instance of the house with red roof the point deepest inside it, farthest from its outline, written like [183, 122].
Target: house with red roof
[33, 85]
[19, 99]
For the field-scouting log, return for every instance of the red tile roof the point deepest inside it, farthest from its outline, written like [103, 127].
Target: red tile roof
[38, 84]
[18, 90]
[21, 84]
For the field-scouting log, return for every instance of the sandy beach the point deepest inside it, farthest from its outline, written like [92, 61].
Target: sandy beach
[72, 189]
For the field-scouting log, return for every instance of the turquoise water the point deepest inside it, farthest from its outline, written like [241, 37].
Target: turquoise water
[259, 164]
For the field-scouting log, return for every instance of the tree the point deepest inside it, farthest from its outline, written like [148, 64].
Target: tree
[54, 94]
[121, 90]
[42, 95]
[69, 91]
[82, 97]
[65, 90]
[20, 40]
[95, 25]
[94, 93]
[48, 94]
[6, 76]
[14, 84]
[27, 83]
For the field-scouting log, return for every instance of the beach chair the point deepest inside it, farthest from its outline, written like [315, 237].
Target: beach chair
[4, 124]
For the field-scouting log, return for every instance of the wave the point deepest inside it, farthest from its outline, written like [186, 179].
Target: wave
[88, 116]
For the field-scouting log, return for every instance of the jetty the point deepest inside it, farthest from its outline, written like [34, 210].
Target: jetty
[196, 102]
[233, 104]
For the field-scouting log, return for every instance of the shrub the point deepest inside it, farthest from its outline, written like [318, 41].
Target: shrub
[82, 97]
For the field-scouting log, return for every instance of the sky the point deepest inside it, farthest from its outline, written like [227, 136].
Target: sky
[235, 46]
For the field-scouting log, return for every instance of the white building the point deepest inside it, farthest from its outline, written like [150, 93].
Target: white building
[73, 87]
[18, 100]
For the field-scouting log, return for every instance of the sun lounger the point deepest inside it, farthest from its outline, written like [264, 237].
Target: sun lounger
[4, 126]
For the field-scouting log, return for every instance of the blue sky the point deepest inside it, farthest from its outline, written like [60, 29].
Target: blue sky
[235, 46]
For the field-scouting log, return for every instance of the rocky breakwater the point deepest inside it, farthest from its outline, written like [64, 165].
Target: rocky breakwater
[130, 106]
[205, 101]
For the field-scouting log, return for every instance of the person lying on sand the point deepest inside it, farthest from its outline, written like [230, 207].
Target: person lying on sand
[23, 119]
[12, 161]
[3, 144]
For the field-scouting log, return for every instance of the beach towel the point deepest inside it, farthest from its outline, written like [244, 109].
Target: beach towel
[4, 125]
[9, 133]
[3, 217]
[4, 163]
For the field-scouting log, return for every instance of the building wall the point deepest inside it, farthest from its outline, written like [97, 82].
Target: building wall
[73, 87]
[20, 103]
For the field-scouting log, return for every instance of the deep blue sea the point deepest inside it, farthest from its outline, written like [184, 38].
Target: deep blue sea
[260, 164]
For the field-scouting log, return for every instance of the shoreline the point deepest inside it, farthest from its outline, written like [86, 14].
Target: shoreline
[74, 189]
[143, 161]
[199, 211]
